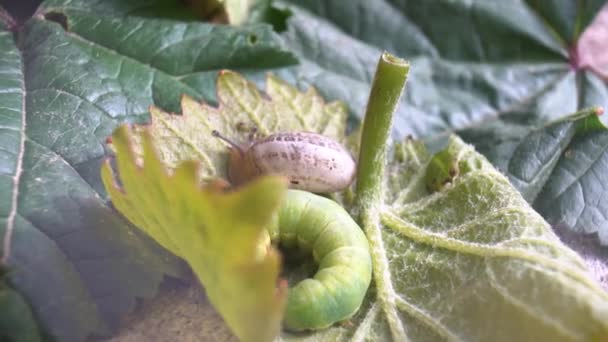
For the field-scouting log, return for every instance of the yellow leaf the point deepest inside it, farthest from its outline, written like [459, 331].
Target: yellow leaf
[218, 233]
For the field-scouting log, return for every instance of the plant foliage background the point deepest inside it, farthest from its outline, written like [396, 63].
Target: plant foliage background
[497, 73]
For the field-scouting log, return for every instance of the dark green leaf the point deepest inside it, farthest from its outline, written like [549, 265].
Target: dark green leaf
[567, 18]
[115, 8]
[576, 193]
[72, 257]
[16, 320]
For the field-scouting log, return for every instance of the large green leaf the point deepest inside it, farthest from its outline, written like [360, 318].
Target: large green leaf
[491, 267]
[458, 255]
[64, 89]
[492, 71]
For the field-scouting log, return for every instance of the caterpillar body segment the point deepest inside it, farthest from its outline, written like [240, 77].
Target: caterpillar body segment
[321, 227]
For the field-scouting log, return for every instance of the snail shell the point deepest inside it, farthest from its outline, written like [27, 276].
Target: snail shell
[310, 161]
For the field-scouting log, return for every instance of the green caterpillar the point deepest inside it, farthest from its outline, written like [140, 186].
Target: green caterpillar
[320, 226]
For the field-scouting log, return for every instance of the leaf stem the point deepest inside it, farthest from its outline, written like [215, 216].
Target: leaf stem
[386, 91]
[387, 88]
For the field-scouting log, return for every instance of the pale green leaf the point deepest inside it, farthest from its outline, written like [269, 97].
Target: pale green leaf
[238, 10]
[242, 107]
[492, 268]
[469, 261]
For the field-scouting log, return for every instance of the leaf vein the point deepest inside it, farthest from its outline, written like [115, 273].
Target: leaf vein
[427, 319]
[529, 309]
[382, 276]
[148, 66]
[250, 112]
[588, 168]
[419, 235]
[203, 156]
[80, 97]
[365, 326]
[10, 221]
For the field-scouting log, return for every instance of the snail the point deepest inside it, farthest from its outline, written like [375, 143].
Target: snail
[314, 224]
[310, 161]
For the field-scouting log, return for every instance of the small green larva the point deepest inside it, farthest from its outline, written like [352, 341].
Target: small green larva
[310, 161]
[315, 224]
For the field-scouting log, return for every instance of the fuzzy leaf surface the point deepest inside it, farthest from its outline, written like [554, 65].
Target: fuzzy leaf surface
[469, 261]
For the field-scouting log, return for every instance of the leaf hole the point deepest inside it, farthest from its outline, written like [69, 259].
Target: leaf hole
[59, 18]
[252, 39]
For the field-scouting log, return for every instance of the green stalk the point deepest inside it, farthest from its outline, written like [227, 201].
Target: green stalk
[387, 89]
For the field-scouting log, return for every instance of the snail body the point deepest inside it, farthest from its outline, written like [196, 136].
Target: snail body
[310, 161]
[321, 227]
